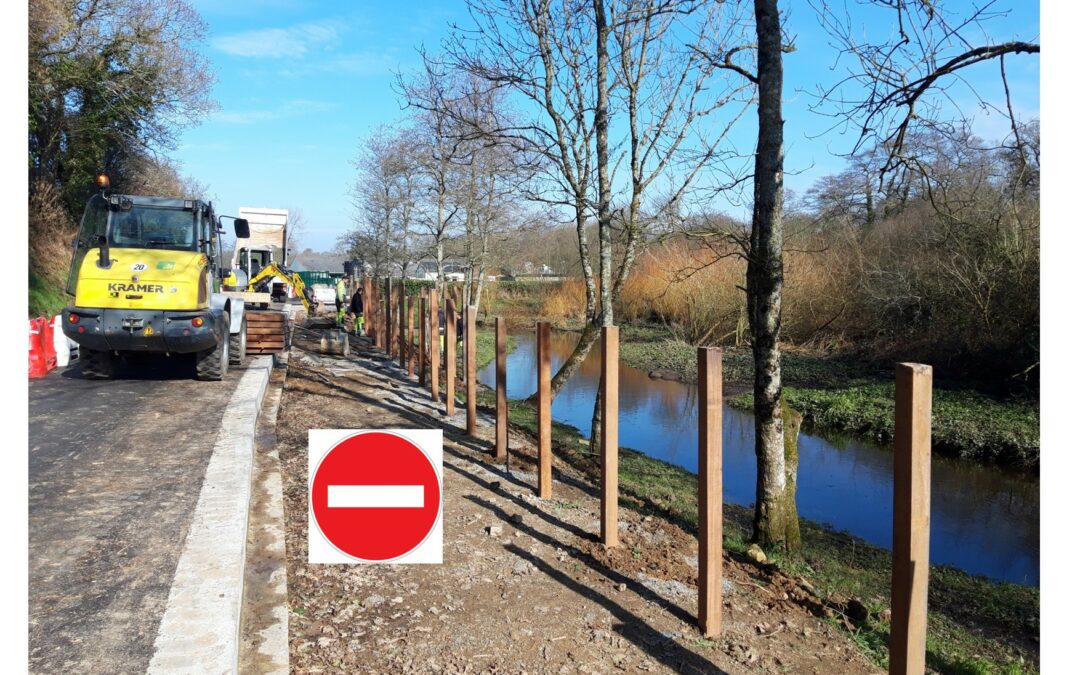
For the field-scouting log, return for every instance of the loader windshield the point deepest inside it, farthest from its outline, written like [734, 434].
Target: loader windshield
[154, 227]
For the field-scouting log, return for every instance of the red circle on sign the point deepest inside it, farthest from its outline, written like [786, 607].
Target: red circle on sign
[366, 519]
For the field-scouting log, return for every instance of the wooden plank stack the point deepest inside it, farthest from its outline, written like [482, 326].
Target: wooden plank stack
[265, 332]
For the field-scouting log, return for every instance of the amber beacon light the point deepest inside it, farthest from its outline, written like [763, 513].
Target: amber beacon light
[103, 182]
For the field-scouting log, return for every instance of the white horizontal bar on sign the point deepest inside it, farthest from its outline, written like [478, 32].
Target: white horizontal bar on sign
[375, 496]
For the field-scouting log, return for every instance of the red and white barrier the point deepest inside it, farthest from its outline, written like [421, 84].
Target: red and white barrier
[39, 362]
[61, 343]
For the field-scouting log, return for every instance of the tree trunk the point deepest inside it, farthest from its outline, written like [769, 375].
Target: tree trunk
[589, 336]
[594, 428]
[603, 205]
[774, 511]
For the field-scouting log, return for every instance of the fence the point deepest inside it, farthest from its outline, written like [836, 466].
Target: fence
[911, 490]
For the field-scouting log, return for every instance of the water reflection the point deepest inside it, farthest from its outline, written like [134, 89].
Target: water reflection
[983, 520]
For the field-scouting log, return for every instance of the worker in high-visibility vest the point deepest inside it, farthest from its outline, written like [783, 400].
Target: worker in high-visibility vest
[356, 309]
[339, 301]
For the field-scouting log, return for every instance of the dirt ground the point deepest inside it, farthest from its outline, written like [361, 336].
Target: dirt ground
[525, 586]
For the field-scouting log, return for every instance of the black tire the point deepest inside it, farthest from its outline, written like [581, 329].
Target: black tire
[213, 364]
[97, 365]
[238, 345]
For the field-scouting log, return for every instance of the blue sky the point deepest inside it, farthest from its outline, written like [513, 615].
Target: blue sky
[300, 83]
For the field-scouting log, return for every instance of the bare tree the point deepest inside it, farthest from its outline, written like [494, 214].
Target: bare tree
[296, 229]
[430, 93]
[541, 51]
[384, 197]
[900, 86]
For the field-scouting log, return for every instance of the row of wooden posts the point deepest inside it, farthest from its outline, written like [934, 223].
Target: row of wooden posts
[393, 331]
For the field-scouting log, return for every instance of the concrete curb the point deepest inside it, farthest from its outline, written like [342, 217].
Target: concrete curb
[200, 629]
[264, 622]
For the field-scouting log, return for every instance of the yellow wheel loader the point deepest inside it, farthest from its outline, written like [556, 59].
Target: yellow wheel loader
[146, 277]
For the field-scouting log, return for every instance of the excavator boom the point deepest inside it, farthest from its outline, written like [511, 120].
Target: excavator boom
[275, 271]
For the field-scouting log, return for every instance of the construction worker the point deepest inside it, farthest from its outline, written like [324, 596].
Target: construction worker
[356, 309]
[339, 301]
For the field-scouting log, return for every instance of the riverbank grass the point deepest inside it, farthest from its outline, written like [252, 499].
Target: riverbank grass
[976, 625]
[966, 424]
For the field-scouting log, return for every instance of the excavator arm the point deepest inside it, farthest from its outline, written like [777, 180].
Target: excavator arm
[275, 271]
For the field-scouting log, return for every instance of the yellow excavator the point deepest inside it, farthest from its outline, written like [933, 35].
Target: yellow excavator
[258, 279]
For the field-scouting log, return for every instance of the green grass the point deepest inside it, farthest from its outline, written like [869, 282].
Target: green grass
[45, 297]
[975, 625]
[485, 346]
[965, 423]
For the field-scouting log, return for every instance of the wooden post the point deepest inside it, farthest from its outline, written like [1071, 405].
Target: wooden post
[367, 305]
[421, 353]
[410, 345]
[500, 389]
[463, 369]
[911, 518]
[451, 356]
[380, 318]
[402, 353]
[609, 436]
[710, 490]
[433, 340]
[388, 317]
[376, 313]
[470, 371]
[367, 301]
[543, 409]
[395, 321]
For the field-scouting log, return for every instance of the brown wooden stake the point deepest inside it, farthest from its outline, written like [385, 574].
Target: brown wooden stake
[433, 339]
[421, 347]
[609, 436]
[403, 353]
[376, 314]
[367, 306]
[470, 371]
[911, 518]
[388, 317]
[710, 490]
[543, 409]
[451, 357]
[500, 389]
[395, 320]
[463, 354]
[410, 345]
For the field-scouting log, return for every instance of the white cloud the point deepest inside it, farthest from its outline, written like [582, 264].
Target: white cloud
[367, 62]
[291, 108]
[274, 43]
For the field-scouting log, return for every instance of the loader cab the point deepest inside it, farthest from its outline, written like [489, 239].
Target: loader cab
[111, 222]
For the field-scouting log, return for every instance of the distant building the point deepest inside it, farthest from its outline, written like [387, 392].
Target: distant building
[453, 269]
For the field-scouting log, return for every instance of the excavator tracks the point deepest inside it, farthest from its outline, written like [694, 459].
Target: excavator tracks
[266, 331]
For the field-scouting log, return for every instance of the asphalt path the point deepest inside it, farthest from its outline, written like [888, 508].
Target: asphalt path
[115, 470]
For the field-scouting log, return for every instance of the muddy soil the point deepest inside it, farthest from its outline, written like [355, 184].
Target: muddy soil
[525, 586]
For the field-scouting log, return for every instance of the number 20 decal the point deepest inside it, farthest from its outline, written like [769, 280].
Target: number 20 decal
[138, 267]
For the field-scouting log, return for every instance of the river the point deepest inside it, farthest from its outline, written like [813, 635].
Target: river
[983, 520]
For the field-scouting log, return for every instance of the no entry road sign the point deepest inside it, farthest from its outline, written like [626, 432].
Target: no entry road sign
[375, 496]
